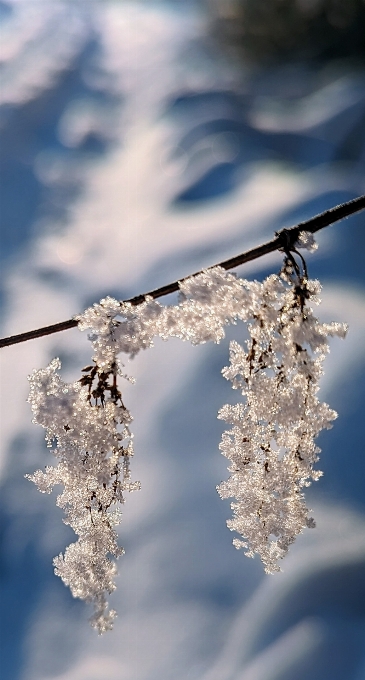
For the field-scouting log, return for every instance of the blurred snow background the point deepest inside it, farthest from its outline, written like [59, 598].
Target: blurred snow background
[134, 152]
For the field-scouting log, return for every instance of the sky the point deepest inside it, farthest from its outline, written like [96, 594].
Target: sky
[134, 153]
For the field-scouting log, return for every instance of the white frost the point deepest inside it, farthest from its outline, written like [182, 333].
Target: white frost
[270, 446]
[90, 428]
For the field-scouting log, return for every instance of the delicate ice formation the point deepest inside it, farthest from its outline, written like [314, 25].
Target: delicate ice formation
[90, 427]
[208, 302]
[271, 443]
[306, 241]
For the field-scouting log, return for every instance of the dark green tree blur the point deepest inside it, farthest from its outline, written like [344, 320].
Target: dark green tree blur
[273, 31]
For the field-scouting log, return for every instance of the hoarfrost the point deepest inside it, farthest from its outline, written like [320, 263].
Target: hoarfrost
[270, 445]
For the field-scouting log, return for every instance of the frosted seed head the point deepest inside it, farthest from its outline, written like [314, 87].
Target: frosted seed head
[270, 445]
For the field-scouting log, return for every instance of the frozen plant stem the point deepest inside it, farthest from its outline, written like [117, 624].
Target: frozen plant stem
[90, 425]
[271, 444]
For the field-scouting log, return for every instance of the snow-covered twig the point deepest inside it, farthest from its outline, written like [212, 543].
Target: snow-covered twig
[284, 239]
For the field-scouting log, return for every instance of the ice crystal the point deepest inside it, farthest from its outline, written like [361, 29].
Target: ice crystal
[207, 303]
[306, 240]
[87, 425]
[271, 444]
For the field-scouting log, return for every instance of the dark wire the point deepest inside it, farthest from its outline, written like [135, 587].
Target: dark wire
[285, 240]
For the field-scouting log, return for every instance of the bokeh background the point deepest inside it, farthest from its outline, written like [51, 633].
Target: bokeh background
[141, 141]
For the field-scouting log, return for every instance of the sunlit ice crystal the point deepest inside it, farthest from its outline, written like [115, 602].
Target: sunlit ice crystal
[271, 445]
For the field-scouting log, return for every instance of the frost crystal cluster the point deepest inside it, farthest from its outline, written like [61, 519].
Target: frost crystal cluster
[270, 446]
[207, 303]
[88, 426]
[271, 443]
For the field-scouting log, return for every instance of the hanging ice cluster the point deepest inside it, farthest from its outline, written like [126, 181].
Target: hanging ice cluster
[271, 443]
[87, 425]
[270, 446]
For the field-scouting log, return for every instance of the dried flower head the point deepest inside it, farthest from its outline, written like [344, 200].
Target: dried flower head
[271, 445]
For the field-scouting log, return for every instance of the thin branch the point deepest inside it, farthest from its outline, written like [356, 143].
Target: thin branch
[285, 239]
